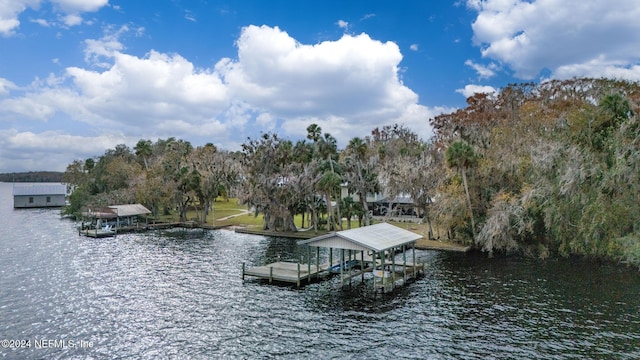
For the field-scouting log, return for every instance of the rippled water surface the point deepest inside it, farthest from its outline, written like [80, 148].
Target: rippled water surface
[179, 294]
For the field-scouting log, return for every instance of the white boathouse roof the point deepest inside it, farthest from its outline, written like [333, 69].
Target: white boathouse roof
[129, 210]
[39, 189]
[114, 211]
[378, 237]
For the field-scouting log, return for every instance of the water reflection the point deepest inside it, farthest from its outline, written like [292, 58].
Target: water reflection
[180, 294]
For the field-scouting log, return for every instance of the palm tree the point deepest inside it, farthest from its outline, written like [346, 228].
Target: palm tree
[313, 132]
[143, 150]
[327, 149]
[461, 156]
[349, 207]
[329, 183]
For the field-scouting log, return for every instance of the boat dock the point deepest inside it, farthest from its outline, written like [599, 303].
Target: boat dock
[284, 271]
[141, 227]
[371, 249]
[298, 273]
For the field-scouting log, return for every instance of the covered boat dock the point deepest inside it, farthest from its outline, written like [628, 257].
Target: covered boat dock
[371, 249]
[108, 221]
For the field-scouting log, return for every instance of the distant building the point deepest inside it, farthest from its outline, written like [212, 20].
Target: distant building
[39, 195]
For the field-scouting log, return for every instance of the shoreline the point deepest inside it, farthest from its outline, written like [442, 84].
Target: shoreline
[422, 244]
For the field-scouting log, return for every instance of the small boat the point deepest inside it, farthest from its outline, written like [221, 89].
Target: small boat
[348, 265]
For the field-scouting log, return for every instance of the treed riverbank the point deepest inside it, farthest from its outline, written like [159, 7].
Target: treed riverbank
[542, 170]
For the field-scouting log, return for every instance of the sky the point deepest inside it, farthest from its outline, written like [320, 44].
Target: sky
[78, 77]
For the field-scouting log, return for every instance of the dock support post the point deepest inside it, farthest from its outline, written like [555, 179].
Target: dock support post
[308, 263]
[375, 265]
[317, 263]
[404, 265]
[330, 258]
[382, 264]
[362, 264]
[270, 274]
[243, 271]
[350, 269]
[414, 260]
[393, 267]
[341, 267]
[298, 282]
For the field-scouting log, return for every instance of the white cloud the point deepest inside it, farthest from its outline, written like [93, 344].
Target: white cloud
[266, 121]
[77, 6]
[600, 67]
[72, 19]
[6, 86]
[470, 90]
[140, 92]
[343, 24]
[414, 47]
[10, 11]
[189, 15]
[484, 71]
[348, 86]
[598, 36]
[51, 150]
[41, 22]
[101, 52]
[351, 83]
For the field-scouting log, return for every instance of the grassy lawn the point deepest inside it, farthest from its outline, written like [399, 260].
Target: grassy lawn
[223, 209]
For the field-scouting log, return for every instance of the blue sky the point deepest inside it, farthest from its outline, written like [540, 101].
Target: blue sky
[80, 76]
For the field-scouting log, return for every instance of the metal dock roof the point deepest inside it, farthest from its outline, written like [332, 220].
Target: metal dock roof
[376, 237]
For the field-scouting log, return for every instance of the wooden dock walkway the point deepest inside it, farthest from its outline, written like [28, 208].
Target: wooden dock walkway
[97, 233]
[395, 275]
[100, 233]
[284, 271]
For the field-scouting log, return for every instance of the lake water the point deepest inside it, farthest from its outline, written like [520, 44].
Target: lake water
[179, 294]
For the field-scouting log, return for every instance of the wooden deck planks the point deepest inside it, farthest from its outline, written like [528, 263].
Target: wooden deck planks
[282, 271]
[297, 273]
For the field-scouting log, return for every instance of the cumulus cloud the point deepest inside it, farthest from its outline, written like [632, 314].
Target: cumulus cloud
[70, 10]
[348, 86]
[100, 52]
[142, 92]
[345, 85]
[9, 12]
[588, 38]
[470, 90]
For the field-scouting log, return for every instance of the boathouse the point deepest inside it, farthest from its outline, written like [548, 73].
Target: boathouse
[39, 195]
[111, 219]
[370, 249]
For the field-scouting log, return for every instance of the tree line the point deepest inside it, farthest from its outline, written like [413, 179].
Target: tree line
[539, 169]
[32, 176]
